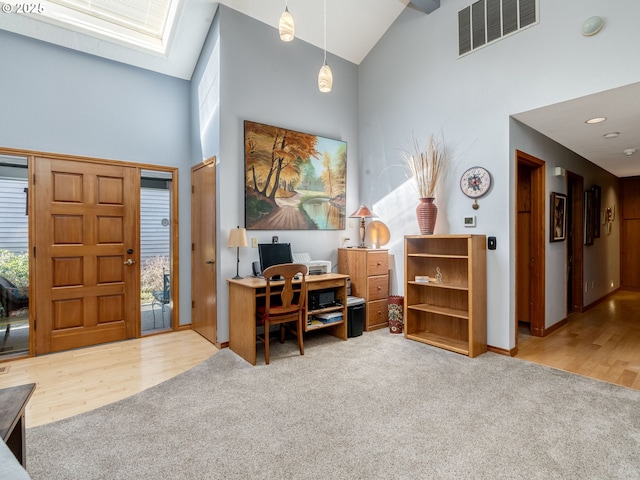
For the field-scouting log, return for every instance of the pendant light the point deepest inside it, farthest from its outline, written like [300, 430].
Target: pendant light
[286, 27]
[325, 77]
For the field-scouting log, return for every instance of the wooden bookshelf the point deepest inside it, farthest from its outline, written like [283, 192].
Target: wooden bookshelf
[451, 314]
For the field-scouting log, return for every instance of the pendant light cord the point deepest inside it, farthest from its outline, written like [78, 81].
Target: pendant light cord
[325, 31]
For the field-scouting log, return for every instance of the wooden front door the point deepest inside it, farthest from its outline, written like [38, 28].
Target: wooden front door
[204, 297]
[86, 258]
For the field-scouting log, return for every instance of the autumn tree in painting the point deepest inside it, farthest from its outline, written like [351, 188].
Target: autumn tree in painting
[274, 157]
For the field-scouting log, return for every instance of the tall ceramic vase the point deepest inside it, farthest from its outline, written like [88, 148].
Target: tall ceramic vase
[427, 213]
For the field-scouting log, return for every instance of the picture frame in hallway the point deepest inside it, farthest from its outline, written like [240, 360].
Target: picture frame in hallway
[558, 228]
[293, 180]
[588, 217]
[597, 206]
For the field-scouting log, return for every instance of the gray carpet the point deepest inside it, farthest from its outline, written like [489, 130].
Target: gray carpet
[376, 406]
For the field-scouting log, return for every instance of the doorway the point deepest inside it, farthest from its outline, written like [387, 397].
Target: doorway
[530, 243]
[575, 212]
[156, 233]
[80, 232]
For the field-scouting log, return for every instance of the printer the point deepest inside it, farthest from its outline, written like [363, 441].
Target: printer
[316, 267]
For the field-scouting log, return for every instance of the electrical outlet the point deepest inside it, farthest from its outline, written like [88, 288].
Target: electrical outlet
[586, 287]
[254, 242]
[593, 284]
[611, 283]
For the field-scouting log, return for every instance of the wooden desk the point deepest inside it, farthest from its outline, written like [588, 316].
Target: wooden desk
[246, 294]
[13, 401]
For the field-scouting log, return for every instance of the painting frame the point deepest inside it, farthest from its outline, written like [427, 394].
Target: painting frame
[293, 180]
[558, 217]
[588, 217]
[597, 207]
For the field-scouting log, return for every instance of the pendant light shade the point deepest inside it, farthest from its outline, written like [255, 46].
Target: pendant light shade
[325, 79]
[286, 27]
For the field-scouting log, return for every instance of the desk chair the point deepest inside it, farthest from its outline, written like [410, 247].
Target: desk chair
[279, 308]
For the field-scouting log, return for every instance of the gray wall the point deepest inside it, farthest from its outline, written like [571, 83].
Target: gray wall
[268, 81]
[414, 82]
[602, 259]
[62, 101]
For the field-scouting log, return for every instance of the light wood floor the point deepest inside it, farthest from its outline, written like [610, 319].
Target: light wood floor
[602, 343]
[76, 381]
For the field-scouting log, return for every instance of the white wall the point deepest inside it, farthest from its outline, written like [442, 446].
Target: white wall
[413, 81]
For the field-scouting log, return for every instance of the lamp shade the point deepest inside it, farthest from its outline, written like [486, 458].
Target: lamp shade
[377, 234]
[325, 79]
[286, 27]
[362, 212]
[237, 238]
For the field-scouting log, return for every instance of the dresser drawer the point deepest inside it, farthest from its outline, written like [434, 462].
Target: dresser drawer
[377, 314]
[378, 263]
[378, 287]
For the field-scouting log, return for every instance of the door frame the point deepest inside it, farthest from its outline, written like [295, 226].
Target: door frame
[538, 236]
[175, 246]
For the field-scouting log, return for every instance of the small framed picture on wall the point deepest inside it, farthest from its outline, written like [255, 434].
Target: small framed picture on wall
[558, 215]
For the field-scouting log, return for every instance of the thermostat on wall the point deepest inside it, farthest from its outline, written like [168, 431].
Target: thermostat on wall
[470, 221]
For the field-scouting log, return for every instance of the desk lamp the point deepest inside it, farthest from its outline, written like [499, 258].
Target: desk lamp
[237, 238]
[362, 213]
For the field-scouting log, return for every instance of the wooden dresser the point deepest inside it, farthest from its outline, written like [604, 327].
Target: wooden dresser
[369, 273]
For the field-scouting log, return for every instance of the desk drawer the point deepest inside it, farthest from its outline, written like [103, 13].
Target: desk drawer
[377, 314]
[378, 287]
[377, 263]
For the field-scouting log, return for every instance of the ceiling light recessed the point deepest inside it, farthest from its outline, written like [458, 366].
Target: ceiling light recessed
[611, 135]
[593, 120]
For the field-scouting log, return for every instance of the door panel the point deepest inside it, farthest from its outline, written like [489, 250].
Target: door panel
[630, 233]
[86, 215]
[203, 251]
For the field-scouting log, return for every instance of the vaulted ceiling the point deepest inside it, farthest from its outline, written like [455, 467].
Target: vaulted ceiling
[353, 29]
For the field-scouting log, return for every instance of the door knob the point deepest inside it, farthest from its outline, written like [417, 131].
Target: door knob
[211, 262]
[129, 262]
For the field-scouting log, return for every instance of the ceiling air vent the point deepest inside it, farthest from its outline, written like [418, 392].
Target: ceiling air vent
[487, 21]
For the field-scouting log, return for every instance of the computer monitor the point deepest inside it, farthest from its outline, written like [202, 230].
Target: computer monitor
[274, 254]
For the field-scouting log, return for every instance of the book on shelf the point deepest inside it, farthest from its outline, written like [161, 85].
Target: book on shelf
[330, 317]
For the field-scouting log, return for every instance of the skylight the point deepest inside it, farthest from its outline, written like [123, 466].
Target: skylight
[145, 24]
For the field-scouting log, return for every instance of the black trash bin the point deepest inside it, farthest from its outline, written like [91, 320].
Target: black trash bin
[355, 313]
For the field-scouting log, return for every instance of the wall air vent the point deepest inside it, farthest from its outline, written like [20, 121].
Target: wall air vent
[487, 21]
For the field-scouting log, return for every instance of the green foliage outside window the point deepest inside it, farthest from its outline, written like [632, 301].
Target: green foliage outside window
[15, 267]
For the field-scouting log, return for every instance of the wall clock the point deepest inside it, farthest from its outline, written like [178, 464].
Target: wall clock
[475, 182]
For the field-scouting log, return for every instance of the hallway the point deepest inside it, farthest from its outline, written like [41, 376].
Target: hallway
[602, 343]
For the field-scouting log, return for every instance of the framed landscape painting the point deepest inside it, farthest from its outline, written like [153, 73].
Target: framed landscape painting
[293, 180]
